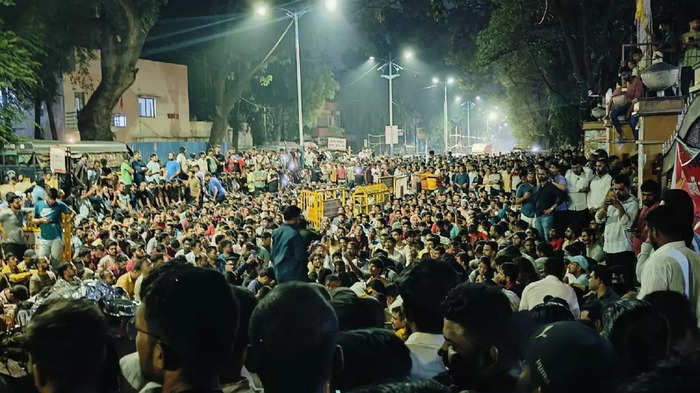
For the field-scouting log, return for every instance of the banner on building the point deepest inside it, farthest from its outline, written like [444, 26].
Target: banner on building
[686, 175]
[337, 144]
[57, 159]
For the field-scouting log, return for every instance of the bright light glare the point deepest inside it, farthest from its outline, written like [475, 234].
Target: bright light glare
[408, 54]
[535, 149]
[71, 140]
[436, 81]
[331, 5]
[371, 58]
[493, 116]
[261, 10]
[478, 98]
[458, 99]
[450, 81]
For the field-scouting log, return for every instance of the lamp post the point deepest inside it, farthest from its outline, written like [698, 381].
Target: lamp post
[392, 73]
[447, 81]
[262, 10]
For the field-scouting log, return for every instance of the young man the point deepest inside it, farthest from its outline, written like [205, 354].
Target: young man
[568, 357]
[183, 343]
[12, 220]
[67, 340]
[672, 266]
[288, 252]
[304, 358]
[423, 286]
[42, 278]
[551, 284]
[479, 351]
[47, 213]
[618, 214]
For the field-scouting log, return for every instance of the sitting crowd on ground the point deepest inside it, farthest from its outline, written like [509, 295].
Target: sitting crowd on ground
[518, 272]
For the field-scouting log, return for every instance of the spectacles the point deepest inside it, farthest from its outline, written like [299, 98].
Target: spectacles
[132, 330]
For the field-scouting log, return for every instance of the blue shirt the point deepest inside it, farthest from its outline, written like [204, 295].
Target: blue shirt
[171, 168]
[38, 194]
[52, 230]
[215, 184]
[288, 254]
[528, 207]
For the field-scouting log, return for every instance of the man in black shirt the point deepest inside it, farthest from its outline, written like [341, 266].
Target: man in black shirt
[184, 342]
[545, 197]
[139, 168]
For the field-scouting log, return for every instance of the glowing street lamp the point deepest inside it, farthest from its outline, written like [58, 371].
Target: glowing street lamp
[332, 5]
[262, 10]
[408, 54]
[458, 99]
[371, 59]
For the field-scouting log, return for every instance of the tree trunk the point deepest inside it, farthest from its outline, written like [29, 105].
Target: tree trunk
[38, 134]
[120, 48]
[52, 120]
[219, 125]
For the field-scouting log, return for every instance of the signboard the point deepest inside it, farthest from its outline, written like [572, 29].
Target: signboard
[337, 144]
[331, 208]
[391, 135]
[401, 186]
[686, 174]
[57, 159]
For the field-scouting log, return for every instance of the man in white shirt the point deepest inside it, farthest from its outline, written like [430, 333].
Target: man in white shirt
[393, 253]
[598, 187]
[423, 288]
[618, 214]
[672, 266]
[578, 182]
[551, 284]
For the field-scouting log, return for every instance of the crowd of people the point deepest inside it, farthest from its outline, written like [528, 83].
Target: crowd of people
[519, 272]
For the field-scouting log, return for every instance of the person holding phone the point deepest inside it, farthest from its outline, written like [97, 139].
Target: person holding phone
[619, 213]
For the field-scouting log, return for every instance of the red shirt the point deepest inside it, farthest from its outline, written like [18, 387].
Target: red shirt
[556, 243]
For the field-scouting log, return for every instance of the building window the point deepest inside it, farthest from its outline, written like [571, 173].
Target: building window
[119, 120]
[147, 107]
[79, 101]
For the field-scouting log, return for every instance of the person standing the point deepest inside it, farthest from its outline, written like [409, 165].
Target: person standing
[578, 182]
[690, 44]
[672, 266]
[288, 253]
[127, 172]
[12, 220]
[139, 168]
[650, 199]
[546, 200]
[81, 172]
[618, 214]
[599, 186]
[523, 197]
[47, 213]
[182, 160]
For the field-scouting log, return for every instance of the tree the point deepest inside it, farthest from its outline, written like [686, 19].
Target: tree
[18, 76]
[118, 29]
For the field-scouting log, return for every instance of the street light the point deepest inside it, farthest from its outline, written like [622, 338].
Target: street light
[447, 81]
[371, 59]
[261, 10]
[478, 98]
[331, 5]
[458, 99]
[408, 54]
[393, 73]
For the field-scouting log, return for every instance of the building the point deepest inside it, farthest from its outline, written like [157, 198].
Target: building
[154, 108]
[327, 124]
